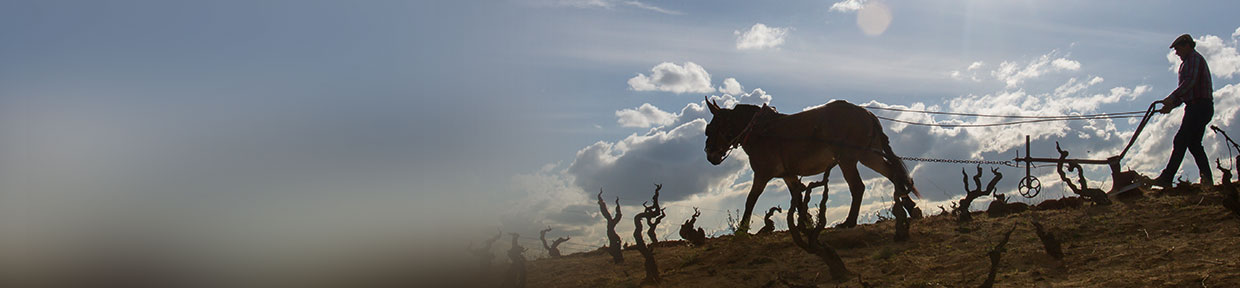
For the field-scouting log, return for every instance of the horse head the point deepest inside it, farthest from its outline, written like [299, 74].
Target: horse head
[723, 133]
[719, 133]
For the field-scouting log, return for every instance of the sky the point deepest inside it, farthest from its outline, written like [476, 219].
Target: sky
[269, 129]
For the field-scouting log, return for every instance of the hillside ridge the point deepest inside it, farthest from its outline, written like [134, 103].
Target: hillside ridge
[1176, 237]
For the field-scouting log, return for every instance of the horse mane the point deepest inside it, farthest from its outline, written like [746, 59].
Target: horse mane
[750, 109]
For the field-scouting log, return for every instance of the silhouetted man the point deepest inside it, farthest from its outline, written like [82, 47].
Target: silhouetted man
[1195, 92]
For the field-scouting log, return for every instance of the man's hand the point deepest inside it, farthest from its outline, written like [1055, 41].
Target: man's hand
[1166, 108]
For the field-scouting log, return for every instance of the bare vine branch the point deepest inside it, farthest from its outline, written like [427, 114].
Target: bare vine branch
[613, 239]
[696, 237]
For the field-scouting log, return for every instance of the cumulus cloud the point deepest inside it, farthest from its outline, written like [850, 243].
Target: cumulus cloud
[760, 37]
[731, 87]
[1223, 59]
[669, 77]
[670, 153]
[1091, 139]
[644, 116]
[755, 97]
[848, 6]
[1013, 73]
[552, 200]
[672, 157]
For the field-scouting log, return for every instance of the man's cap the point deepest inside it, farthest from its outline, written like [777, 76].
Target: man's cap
[1183, 39]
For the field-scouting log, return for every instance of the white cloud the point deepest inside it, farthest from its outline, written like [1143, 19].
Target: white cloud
[1236, 34]
[1014, 74]
[669, 154]
[847, 6]
[669, 77]
[672, 148]
[672, 157]
[610, 4]
[760, 37]
[976, 65]
[643, 117]
[731, 87]
[756, 97]
[1223, 59]
[969, 73]
[1091, 139]
[646, 6]
[1065, 64]
[1072, 87]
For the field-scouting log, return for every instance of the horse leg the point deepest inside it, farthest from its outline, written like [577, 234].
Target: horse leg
[911, 207]
[794, 185]
[902, 222]
[755, 190]
[856, 187]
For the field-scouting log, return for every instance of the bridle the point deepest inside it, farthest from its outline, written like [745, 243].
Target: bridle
[743, 137]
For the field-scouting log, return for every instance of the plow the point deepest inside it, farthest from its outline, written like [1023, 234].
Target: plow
[1121, 181]
[1030, 186]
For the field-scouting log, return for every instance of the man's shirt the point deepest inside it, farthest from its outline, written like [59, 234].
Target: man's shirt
[1195, 82]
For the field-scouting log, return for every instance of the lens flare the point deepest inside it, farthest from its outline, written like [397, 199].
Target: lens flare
[874, 18]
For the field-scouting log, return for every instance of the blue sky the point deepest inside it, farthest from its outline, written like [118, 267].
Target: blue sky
[323, 118]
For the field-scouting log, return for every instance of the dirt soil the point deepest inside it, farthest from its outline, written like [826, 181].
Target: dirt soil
[1177, 238]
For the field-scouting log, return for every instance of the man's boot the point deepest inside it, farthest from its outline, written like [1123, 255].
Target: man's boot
[1163, 181]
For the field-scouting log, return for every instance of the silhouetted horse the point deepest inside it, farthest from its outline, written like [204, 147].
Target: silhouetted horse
[808, 143]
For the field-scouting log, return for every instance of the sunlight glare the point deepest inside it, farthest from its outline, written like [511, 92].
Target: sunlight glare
[874, 18]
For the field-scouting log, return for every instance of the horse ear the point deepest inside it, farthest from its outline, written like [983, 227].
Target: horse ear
[714, 107]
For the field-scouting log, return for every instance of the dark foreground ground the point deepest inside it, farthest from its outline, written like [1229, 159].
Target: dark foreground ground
[1177, 238]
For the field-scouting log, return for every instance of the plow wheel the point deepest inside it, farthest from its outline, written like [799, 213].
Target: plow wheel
[1029, 186]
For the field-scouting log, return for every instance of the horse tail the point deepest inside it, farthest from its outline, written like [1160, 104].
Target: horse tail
[893, 161]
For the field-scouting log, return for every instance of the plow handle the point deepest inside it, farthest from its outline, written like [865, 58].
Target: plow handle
[1146, 119]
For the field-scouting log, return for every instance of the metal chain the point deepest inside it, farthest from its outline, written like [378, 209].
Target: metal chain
[1008, 163]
